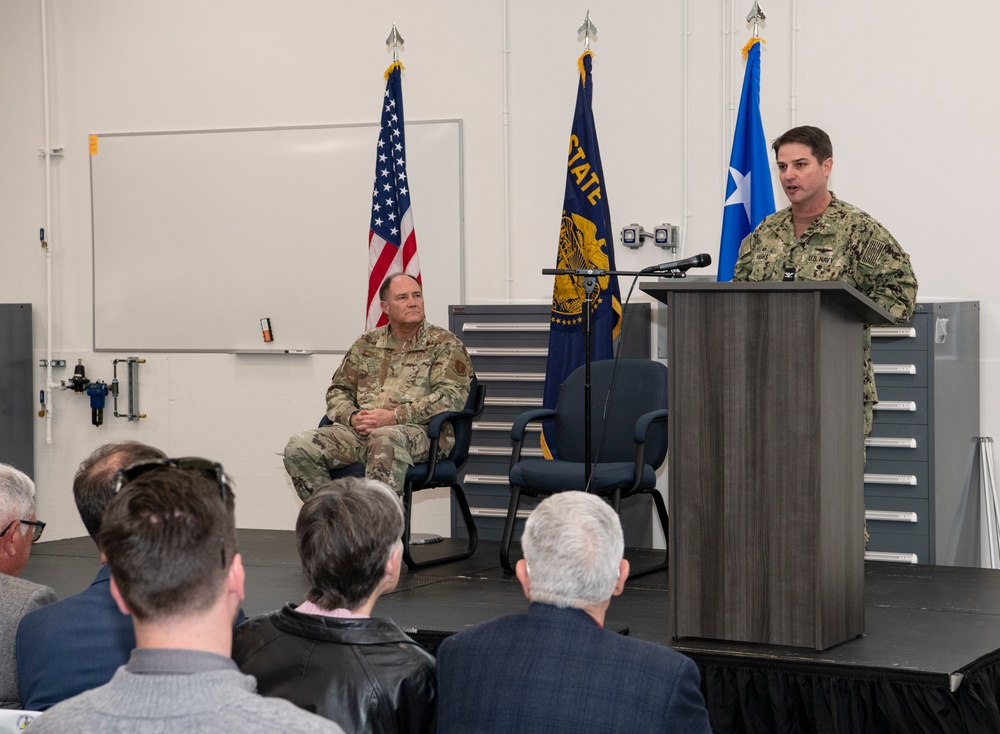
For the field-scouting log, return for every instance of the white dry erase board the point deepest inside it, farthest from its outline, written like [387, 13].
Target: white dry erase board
[198, 235]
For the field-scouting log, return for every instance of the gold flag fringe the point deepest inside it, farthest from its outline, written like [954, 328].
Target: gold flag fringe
[579, 65]
[750, 43]
[399, 65]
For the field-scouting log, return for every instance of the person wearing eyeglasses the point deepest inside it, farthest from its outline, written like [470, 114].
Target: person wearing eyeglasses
[18, 530]
[79, 642]
[169, 537]
[328, 654]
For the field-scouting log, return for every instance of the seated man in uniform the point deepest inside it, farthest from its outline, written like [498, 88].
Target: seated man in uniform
[393, 380]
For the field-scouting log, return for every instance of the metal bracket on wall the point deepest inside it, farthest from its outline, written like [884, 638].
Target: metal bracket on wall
[133, 388]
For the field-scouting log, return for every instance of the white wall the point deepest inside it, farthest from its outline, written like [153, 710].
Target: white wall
[910, 119]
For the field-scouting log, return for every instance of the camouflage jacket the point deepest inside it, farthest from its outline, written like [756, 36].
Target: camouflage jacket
[419, 378]
[845, 244]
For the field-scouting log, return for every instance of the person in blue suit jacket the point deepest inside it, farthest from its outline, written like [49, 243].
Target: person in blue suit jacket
[555, 668]
[78, 643]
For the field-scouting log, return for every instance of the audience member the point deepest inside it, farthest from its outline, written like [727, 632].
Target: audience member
[79, 642]
[169, 538]
[555, 668]
[20, 529]
[327, 654]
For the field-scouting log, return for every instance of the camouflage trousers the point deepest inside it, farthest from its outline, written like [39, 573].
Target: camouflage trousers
[386, 453]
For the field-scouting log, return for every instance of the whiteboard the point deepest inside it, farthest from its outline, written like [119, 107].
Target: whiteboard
[198, 235]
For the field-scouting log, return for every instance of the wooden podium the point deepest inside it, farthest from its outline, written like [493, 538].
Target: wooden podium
[766, 467]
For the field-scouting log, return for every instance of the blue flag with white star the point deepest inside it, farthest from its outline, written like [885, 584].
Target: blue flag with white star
[585, 242]
[749, 196]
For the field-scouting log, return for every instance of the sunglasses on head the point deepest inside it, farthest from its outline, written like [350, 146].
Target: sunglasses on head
[212, 469]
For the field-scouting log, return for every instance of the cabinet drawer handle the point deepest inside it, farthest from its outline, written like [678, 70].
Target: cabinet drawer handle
[900, 405]
[514, 402]
[891, 557]
[890, 516]
[503, 451]
[486, 479]
[496, 512]
[908, 479]
[515, 352]
[500, 426]
[505, 326]
[880, 369]
[883, 442]
[511, 376]
[907, 332]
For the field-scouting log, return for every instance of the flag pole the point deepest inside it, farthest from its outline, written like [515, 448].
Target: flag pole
[589, 286]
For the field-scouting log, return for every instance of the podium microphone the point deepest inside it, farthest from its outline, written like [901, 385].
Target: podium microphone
[695, 261]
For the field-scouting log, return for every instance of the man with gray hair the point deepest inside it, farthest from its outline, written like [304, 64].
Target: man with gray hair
[328, 654]
[555, 668]
[18, 530]
[393, 380]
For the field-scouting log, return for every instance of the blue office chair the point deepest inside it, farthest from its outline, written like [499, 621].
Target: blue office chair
[436, 472]
[628, 442]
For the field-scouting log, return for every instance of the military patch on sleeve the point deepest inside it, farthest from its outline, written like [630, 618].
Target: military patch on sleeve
[872, 252]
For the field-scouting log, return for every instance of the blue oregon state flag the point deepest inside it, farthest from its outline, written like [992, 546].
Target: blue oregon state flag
[749, 196]
[585, 241]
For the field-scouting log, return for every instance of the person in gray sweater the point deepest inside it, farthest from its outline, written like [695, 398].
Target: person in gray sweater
[169, 537]
[18, 530]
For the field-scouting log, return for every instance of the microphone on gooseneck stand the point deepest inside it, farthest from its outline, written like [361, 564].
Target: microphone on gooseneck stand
[696, 261]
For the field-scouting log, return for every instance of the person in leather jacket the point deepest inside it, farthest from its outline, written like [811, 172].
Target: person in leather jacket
[328, 655]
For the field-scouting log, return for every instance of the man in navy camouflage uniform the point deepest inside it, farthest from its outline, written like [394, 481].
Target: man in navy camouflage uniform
[820, 237]
[391, 382]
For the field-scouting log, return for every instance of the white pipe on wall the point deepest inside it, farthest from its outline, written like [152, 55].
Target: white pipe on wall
[685, 109]
[793, 100]
[508, 254]
[48, 226]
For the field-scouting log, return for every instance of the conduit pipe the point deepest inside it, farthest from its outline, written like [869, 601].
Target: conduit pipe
[47, 153]
[793, 100]
[508, 255]
[685, 132]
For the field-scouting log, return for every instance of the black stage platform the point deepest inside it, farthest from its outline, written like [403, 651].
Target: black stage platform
[930, 660]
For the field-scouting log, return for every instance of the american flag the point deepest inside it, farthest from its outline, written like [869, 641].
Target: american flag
[392, 244]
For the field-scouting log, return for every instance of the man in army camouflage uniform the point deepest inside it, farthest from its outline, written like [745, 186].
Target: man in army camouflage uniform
[820, 237]
[392, 381]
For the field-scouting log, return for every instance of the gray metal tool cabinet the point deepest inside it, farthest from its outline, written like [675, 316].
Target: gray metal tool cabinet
[18, 399]
[919, 493]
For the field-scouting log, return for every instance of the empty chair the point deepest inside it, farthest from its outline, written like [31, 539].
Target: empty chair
[628, 441]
